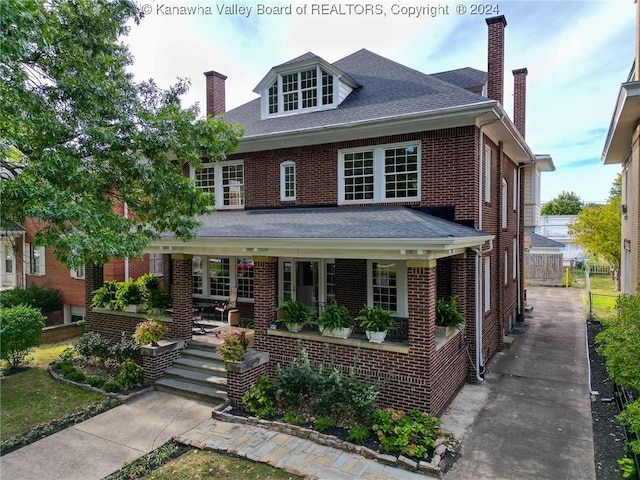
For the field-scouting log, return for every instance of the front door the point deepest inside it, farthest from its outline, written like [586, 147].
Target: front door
[306, 283]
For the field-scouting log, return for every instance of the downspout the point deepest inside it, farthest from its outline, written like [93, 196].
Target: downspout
[126, 260]
[518, 259]
[479, 311]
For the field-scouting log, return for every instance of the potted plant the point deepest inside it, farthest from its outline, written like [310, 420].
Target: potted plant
[233, 347]
[157, 302]
[129, 296]
[448, 316]
[376, 321]
[294, 315]
[335, 321]
[149, 332]
[105, 296]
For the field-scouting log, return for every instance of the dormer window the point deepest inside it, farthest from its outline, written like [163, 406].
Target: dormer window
[307, 89]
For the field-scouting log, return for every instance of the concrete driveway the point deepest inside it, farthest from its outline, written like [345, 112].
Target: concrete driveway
[99, 446]
[536, 422]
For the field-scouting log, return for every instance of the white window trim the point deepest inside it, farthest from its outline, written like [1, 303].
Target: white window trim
[218, 187]
[487, 173]
[487, 284]
[78, 272]
[233, 279]
[264, 97]
[401, 285]
[515, 190]
[505, 203]
[322, 276]
[41, 254]
[378, 174]
[506, 267]
[515, 257]
[283, 176]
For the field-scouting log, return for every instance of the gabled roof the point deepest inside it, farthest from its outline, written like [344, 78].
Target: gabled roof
[467, 78]
[10, 229]
[389, 89]
[540, 241]
[330, 230]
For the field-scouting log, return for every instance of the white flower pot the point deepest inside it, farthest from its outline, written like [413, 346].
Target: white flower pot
[295, 327]
[444, 331]
[133, 308]
[336, 332]
[376, 337]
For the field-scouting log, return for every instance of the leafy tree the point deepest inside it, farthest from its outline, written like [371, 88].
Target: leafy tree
[80, 139]
[616, 188]
[565, 203]
[20, 331]
[597, 228]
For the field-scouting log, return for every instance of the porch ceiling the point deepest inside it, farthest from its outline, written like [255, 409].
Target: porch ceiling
[328, 232]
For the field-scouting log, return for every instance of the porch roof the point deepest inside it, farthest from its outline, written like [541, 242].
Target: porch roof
[329, 232]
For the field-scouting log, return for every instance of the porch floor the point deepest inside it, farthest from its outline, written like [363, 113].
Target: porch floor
[216, 337]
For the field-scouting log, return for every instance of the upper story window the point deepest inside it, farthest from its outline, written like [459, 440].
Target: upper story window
[225, 180]
[36, 259]
[505, 203]
[287, 181]
[388, 173]
[310, 88]
[487, 173]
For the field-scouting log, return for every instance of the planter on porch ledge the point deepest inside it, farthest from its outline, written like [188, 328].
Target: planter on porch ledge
[163, 347]
[252, 359]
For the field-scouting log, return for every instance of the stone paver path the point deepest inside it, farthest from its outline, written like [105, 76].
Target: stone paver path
[297, 456]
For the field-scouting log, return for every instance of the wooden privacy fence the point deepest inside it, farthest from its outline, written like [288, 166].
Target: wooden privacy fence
[544, 268]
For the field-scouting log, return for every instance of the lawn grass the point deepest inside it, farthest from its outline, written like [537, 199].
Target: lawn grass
[604, 295]
[31, 396]
[200, 465]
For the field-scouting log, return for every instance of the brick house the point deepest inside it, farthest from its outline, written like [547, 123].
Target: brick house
[367, 182]
[622, 147]
[30, 265]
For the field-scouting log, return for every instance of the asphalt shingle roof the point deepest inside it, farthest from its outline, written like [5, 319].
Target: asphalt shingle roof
[467, 78]
[388, 89]
[384, 222]
[539, 241]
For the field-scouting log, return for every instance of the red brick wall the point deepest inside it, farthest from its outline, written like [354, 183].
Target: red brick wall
[351, 284]
[154, 367]
[239, 383]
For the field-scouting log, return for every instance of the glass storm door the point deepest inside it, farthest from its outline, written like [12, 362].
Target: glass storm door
[306, 285]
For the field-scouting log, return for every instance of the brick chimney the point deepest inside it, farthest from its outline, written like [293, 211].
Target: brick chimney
[495, 64]
[520, 99]
[215, 93]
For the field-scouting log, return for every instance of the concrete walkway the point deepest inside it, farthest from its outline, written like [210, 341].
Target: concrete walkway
[99, 446]
[536, 419]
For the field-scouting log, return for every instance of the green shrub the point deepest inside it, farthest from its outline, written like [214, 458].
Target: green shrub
[125, 349]
[359, 435]
[130, 374]
[293, 418]
[232, 348]
[20, 331]
[95, 381]
[75, 376]
[630, 418]
[44, 299]
[112, 386]
[322, 424]
[325, 391]
[64, 367]
[149, 332]
[68, 354]
[92, 344]
[412, 434]
[260, 399]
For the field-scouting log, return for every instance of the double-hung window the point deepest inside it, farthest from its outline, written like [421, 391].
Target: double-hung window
[389, 173]
[287, 181]
[387, 285]
[225, 180]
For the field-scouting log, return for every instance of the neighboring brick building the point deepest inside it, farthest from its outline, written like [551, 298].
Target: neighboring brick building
[623, 146]
[38, 266]
[371, 183]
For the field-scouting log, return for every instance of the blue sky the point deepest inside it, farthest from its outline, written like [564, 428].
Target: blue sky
[577, 54]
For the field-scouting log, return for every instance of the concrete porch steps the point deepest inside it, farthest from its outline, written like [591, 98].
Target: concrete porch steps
[198, 374]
